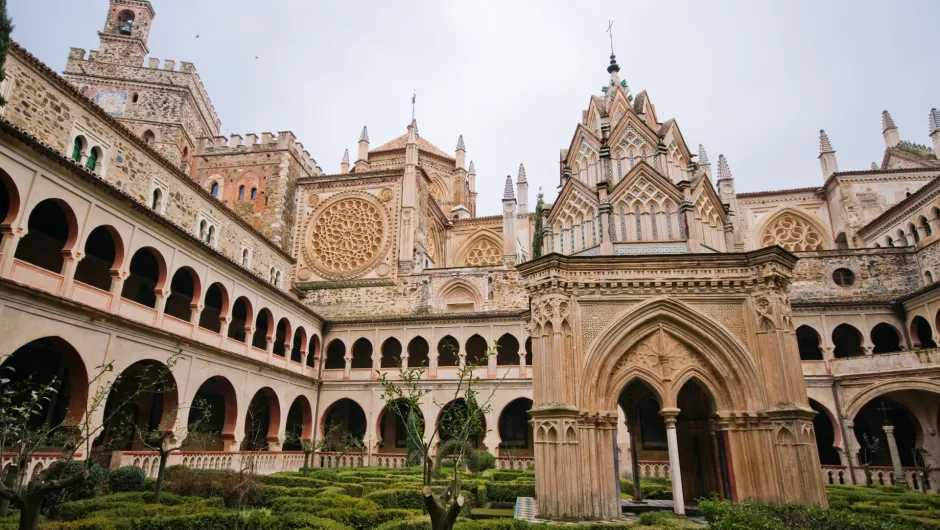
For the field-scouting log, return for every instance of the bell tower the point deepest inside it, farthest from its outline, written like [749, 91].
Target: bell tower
[126, 28]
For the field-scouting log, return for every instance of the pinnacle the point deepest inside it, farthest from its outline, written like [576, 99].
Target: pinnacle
[724, 171]
[346, 157]
[702, 156]
[460, 144]
[874, 165]
[472, 170]
[507, 193]
[414, 124]
[934, 121]
[364, 135]
[886, 121]
[521, 177]
[824, 145]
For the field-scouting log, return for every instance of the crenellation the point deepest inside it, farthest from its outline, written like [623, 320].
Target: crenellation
[236, 141]
[251, 139]
[77, 54]
[169, 64]
[153, 62]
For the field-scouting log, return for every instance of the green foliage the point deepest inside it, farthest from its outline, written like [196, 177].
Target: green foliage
[537, 236]
[722, 515]
[126, 478]
[481, 461]
[398, 498]
[509, 491]
[414, 523]
[366, 520]
[88, 488]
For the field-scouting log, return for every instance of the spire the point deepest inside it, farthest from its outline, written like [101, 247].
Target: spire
[346, 157]
[344, 165]
[614, 67]
[414, 123]
[364, 135]
[702, 156]
[472, 170]
[889, 130]
[934, 121]
[521, 177]
[460, 144]
[507, 192]
[886, 121]
[724, 171]
[824, 145]
[874, 166]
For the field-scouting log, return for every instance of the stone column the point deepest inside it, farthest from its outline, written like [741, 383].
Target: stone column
[249, 338]
[68, 273]
[162, 295]
[669, 415]
[8, 243]
[195, 310]
[223, 328]
[117, 287]
[633, 428]
[899, 478]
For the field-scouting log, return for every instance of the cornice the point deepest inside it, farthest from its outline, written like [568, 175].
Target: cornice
[430, 319]
[899, 211]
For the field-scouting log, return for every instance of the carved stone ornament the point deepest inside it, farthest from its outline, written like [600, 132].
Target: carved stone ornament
[484, 253]
[660, 352]
[347, 235]
[386, 194]
[551, 308]
[793, 234]
[312, 200]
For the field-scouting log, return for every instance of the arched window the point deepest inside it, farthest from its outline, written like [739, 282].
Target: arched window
[928, 278]
[362, 354]
[216, 306]
[281, 333]
[134, 97]
[476, 350]
[214, 190]
[241, 193]
[263, 325]
[254, 193]
[808, 341]
[156, 201]
[245, 256]
[448, 350]
[241, 318]
[885, 339]
[203, 229]
[669, 221]
[639, 223]
[125, 22]
[78, 148]
[93, 156]
[890, 241]
[841, 241]
[418, 350]
[146, 273]
[847, 341]
[183, 289]
[391, 353]
[925, 226]
[48, 233]
[921, 333]
[507, 350]
[913, 231]
[149, 137]
[653, 220]
[210, 238]
[901, 238]
[100, 253]
[335, 355]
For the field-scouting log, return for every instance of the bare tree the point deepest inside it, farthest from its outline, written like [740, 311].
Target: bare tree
[458, 424]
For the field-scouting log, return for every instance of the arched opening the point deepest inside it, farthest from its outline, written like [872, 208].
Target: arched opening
[928, 277]
[142, 402]
[697, 459]
[93, 157]
[156, 200]
[913, 231]
[391, 353]
[507, 350]
[103, 257]
[147, 273]
[901, 238]
[9, 202]
[885, 339]
[299, 424]
[254, 193]
[889, 241]
[216, 305]
[515, 431]
[78, 148]
[216, 399]
[214, 190]
[148, 137]
[125, 22]
[314, 353]
[645, 426]
[241, 319]
[448, 351]
[847, 341]
[921, 333]
[264, 325]
[869, 426]
[476, 350]
[299, 345]
[418, 350]
[528, 351]
[925, 226]
[841, 241]
[183, 291]
[457, 419]
[281, 334]
[825, 436]
[51, 231]
[344, 425]
[50, 361]
[809, 343]
[241, 192]
[362, 354]
[261, 421]
[393, 427]
[335, 355]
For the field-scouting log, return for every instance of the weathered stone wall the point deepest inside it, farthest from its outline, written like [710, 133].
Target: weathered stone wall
[880, 274]
[43, 107]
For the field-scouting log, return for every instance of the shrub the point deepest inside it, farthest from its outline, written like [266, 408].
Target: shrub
[84, 489]
[723, 515]
[655, 518]
[398, 498]
[508, 476]
[366, 519]
[508, 492]
[126, 478]
[481, 461]
[415, 523]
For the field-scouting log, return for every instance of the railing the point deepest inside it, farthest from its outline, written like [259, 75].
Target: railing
[515, 462]
[260, 462]
[331, 459]
[654, 469]
[388, 460]
[37, 463]
[885, 362]
[880, 476]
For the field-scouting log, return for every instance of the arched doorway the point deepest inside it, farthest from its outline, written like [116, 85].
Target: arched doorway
[391, 353]
[362, 354]
[515, 431]
[645, 427]
[184, 294]
[45, 361]
[147, 273]
[418, 350]
[216, 306]
[885, 339]
[103, 257]
[299, 424]
[507, 350]
[921, 334]
[215, 399]
[448, 350]
[395, 422]
[142, 402]
[697, 457]
[809, 343]
[313, 355]
[262, 420]
[335, 355]
[51, 229]
[847, 341]
[825, 436]
[344, 426]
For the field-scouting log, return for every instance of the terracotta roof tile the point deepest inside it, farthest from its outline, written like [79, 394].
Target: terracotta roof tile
[401, 141]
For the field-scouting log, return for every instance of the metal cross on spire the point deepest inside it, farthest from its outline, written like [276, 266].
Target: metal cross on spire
[414, 97]
[610, 26]
[884, 409]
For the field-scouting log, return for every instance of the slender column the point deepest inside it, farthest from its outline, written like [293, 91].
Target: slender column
[522, 364]
[117, 287]
[899, 478]
[68, 273]
[669, 415]
[249, 338]
[162, 295]
[8, 243]
[194, 311]
[633, 429]
[224, 321]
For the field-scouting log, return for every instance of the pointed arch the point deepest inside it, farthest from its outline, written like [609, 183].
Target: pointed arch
[458, 295]
[712, 354]
[793, 230]
[478, 250]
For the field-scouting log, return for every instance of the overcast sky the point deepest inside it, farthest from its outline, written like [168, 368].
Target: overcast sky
[753, 80]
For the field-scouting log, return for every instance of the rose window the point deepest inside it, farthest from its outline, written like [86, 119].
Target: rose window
[346, 237]
[484, 253]
[793, 234]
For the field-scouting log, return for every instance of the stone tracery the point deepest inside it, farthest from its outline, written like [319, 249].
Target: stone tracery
[346, 236]
[792, 233]
[484, 253]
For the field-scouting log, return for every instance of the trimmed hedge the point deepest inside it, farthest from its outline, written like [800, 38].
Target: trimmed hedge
[508, 491]
[126, 478]
[294, 481]
[368, 519]
[722, 515]
[398, 498]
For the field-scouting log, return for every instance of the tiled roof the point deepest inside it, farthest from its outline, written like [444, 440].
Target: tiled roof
[401, 141]
[774, 192]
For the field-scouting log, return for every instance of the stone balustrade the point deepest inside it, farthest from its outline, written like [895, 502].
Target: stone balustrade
[516, 462]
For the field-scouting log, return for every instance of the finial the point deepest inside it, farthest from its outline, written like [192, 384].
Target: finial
[874, 165]
[364, 135]
[472, 170]
[460, 144]
[346, 157]
[934, 121]
[507, 193]
[521, 177]
[414, 124]
[724, 171]
[886, 121]
[703, 156]
[824, 145]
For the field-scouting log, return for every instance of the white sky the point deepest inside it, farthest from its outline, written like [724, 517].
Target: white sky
[753, 80]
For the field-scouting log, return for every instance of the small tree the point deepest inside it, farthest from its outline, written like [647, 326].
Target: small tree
[309, 447]
[166, 439]
[458, 424]
[870, 446]
[537, 237]
[21, 403]
[924, 470]
[6, 27]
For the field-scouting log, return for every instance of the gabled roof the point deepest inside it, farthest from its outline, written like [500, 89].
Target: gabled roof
[400, 142]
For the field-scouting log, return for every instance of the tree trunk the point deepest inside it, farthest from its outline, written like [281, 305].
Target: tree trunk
[10, 483]
[306, 461]
[441, 518]
[29, 515]
[158, 490]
